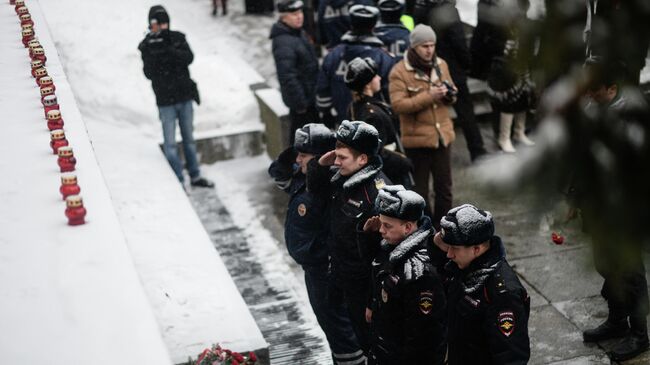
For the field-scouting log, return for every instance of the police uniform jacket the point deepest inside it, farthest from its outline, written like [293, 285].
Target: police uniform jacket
[296, 64]
[166, 56]
[351, 203]
[334, 19]
[331, 90]
[488, 312]
[408, 303]
[395, 38]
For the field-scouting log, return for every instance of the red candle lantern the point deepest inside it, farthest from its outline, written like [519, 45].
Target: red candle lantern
[19, 4]
[28, 35]
[34, 43]
[75, 210]
[69, 185]
[38, 53]
[50, 103]
[25, 26]
[54, 120]
[45, 81]
[66, 159]
[57, 140]
[36, 64]
[39, 72]
[26, 19]
[45, 91]
[22, 10]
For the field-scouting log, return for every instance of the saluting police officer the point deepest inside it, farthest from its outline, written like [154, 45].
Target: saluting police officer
[407, 313]
[487, 305]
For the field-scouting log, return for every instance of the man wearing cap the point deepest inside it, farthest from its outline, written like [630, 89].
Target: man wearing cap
[407, 313]
[487, 305]
[349, 177]
[390, 29]
[305, 232]
[421, 91]
[334, 19]
[166, 56]
[331, 92]
[296, 64]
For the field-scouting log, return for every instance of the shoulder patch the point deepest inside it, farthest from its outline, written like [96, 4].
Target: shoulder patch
[506, 322]
[425, 303]
[379, 183]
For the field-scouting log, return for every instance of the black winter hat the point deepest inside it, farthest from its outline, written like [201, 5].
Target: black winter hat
[397, 202]
[390, 6]
[314, 138]
[363, 17]
[359, 136]
[158, 14]
[359, 73]
[466, 225]
[289, 6]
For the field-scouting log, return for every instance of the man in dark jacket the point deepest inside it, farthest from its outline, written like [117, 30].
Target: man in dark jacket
[443, 17]
[305, 232]
[487, 305]
[390, 29]
[331, 91]
[166, 57]
[296, 64]
[407, 313]
[351, 185]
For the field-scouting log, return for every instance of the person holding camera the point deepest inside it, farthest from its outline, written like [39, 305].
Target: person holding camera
[166, 56]
[421, 91]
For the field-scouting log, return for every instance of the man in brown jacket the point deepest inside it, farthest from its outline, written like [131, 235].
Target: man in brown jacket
[421, 90]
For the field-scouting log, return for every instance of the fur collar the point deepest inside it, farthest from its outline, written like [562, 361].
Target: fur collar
[412, 252]
[367, 172]
[473, 278]
[433, 77]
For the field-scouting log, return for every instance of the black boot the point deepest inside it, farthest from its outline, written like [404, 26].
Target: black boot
[608, 329]
[631, 346]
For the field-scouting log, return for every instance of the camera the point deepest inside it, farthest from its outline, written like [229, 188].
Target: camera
[451, 92]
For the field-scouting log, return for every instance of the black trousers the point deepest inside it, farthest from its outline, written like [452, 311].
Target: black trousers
[354, 293]
[467, 121]
[434, 162]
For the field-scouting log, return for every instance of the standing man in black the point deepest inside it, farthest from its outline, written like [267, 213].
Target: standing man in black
[166, 56]
[443, 17]
[408, 312]
[296, 64]
[488, 307]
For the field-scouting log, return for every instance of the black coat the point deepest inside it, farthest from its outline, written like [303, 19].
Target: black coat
[306, 223]
[408, 304]
[296, 64]
[488, 40]
[352, 202]
[166, 56]
[488, 312]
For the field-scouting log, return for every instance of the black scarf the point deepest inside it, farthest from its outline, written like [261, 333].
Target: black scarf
[419, 63]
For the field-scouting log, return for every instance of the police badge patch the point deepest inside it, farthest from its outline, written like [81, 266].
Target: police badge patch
[302, 210]
[506, 322]
[426, 302]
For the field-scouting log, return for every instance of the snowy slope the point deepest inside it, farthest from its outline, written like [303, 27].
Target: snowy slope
[70, 295]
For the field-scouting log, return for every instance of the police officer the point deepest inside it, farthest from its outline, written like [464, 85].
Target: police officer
[351, 186]
[305, 232]
[334, 19]
[331, 92]
[296, 64]
[407, 313]
[363, 81]
[390, 29]
[487, 305]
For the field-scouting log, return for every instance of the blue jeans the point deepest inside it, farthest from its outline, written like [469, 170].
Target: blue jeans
[185, 115]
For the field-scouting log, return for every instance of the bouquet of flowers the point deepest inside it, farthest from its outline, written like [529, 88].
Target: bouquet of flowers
[220, 356]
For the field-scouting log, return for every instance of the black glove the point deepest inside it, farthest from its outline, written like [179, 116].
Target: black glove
[288, 156]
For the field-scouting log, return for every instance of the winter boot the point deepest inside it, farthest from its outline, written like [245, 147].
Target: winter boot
[631, 346]
[505, 124]
[202, 182]
[519, 133]
[608, 329]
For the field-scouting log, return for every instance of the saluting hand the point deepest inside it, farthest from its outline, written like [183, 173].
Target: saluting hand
[372, 224]
[328, 158]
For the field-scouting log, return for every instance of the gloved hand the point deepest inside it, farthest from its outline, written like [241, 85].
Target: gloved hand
[288, 156]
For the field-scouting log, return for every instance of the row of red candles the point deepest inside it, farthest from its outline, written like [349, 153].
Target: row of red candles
[75, 210]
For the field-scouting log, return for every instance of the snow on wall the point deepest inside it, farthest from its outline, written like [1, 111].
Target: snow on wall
[70, 295]
[193, 297]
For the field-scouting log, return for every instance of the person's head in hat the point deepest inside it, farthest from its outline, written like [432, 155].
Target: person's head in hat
[158, 18]
[311, 140]
[399, 212]
[423, 42]
[362, 78]
[291, 13]
[363, 18]
[465, 234]
[356, 144]
[391, 11]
